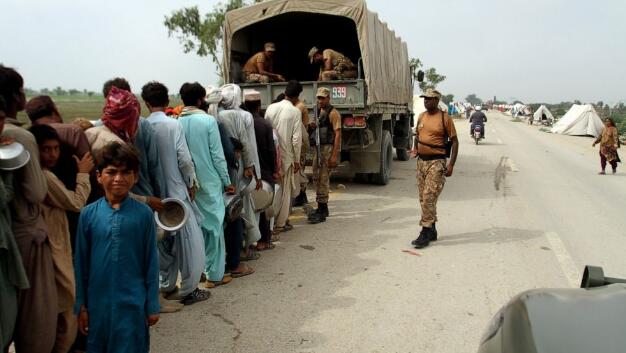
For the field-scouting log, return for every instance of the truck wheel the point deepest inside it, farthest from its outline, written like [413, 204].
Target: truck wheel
[361, 178]
[386, 156]
[402, 154]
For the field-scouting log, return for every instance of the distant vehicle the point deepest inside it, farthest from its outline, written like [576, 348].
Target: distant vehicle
[376, 107]
[591, 319]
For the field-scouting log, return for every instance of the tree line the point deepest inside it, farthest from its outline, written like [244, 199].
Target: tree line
[58, 91]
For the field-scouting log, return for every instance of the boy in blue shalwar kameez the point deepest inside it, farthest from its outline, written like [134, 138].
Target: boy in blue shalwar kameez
[116, 261]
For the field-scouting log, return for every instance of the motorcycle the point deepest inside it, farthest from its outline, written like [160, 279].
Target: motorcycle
[478, 133]
[589, 319]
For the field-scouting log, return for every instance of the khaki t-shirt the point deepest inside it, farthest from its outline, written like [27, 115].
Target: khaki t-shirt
[258, 58]
[430, 131]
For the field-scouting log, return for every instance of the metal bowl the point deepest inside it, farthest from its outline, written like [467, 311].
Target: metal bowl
[250, 185]
[13, 156]
[277, 200]
[263, 197]
[234, 206]
[173, 216]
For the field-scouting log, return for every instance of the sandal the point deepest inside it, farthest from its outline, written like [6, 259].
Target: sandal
[213, 284]
[251, 256]
[284, 229]
[173, 295]
[268, 246]
[246, 272]
[197, 295]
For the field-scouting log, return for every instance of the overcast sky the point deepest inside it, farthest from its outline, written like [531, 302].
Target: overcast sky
[532, 50]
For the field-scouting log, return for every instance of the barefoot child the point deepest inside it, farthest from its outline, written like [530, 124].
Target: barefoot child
[116, 261]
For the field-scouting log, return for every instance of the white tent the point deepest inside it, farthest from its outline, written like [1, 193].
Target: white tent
[418, 105]
[580, 120]
[543, 110]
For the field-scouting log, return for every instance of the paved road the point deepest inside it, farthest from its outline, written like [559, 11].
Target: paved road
[525, 209]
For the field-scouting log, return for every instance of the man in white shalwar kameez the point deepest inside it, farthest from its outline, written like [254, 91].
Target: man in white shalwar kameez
[287, 120]
[240, 124]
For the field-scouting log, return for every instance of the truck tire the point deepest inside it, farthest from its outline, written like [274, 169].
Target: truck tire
[386, 156]
[402, 154]
[402, 129]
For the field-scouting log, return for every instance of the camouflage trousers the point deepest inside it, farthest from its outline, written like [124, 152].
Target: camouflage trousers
[430, 181]
[334, 75]
[321, 175]
[257, 78]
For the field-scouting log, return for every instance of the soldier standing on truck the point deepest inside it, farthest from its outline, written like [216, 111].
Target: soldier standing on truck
[330, 145]
[434, 129]
[334, 65]
[260, 67]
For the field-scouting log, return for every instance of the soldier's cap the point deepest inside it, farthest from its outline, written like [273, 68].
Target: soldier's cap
[431, 93]
[312, 53]
[323, 92]
[251, 95]
[269, 46]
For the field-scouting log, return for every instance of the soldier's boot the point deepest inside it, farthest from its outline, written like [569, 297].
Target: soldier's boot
[319, 215]
[323, 208]
[432, 235]
[301, 199]
[424, 238]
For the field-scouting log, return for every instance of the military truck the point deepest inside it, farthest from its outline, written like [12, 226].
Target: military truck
[376, 107]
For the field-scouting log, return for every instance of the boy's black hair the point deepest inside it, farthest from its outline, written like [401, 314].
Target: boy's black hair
[156, 94]
[118, 82]
[44, 133]
[118, 155]
[40, 107]
[237, 145]
[3, 105]
[293, 89]
[191, 92]
[10, 84]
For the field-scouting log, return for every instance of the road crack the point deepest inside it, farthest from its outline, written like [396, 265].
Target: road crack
[235, 328]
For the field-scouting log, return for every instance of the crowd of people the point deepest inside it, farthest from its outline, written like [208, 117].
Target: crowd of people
[83, 265]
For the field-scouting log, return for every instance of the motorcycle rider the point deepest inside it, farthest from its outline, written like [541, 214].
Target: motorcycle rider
[478, 118]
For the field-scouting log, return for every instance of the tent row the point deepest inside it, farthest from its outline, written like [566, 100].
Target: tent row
[580, 120]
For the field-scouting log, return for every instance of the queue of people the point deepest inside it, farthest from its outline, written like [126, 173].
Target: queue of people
[84, 266]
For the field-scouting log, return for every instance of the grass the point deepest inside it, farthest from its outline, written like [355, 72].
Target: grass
[72, 107]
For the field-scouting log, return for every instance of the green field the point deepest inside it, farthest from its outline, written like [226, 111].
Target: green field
[72, 107]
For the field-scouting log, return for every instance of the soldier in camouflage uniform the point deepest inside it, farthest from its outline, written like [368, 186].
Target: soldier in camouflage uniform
[333, 65]
[434, 129]
[330, 146]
